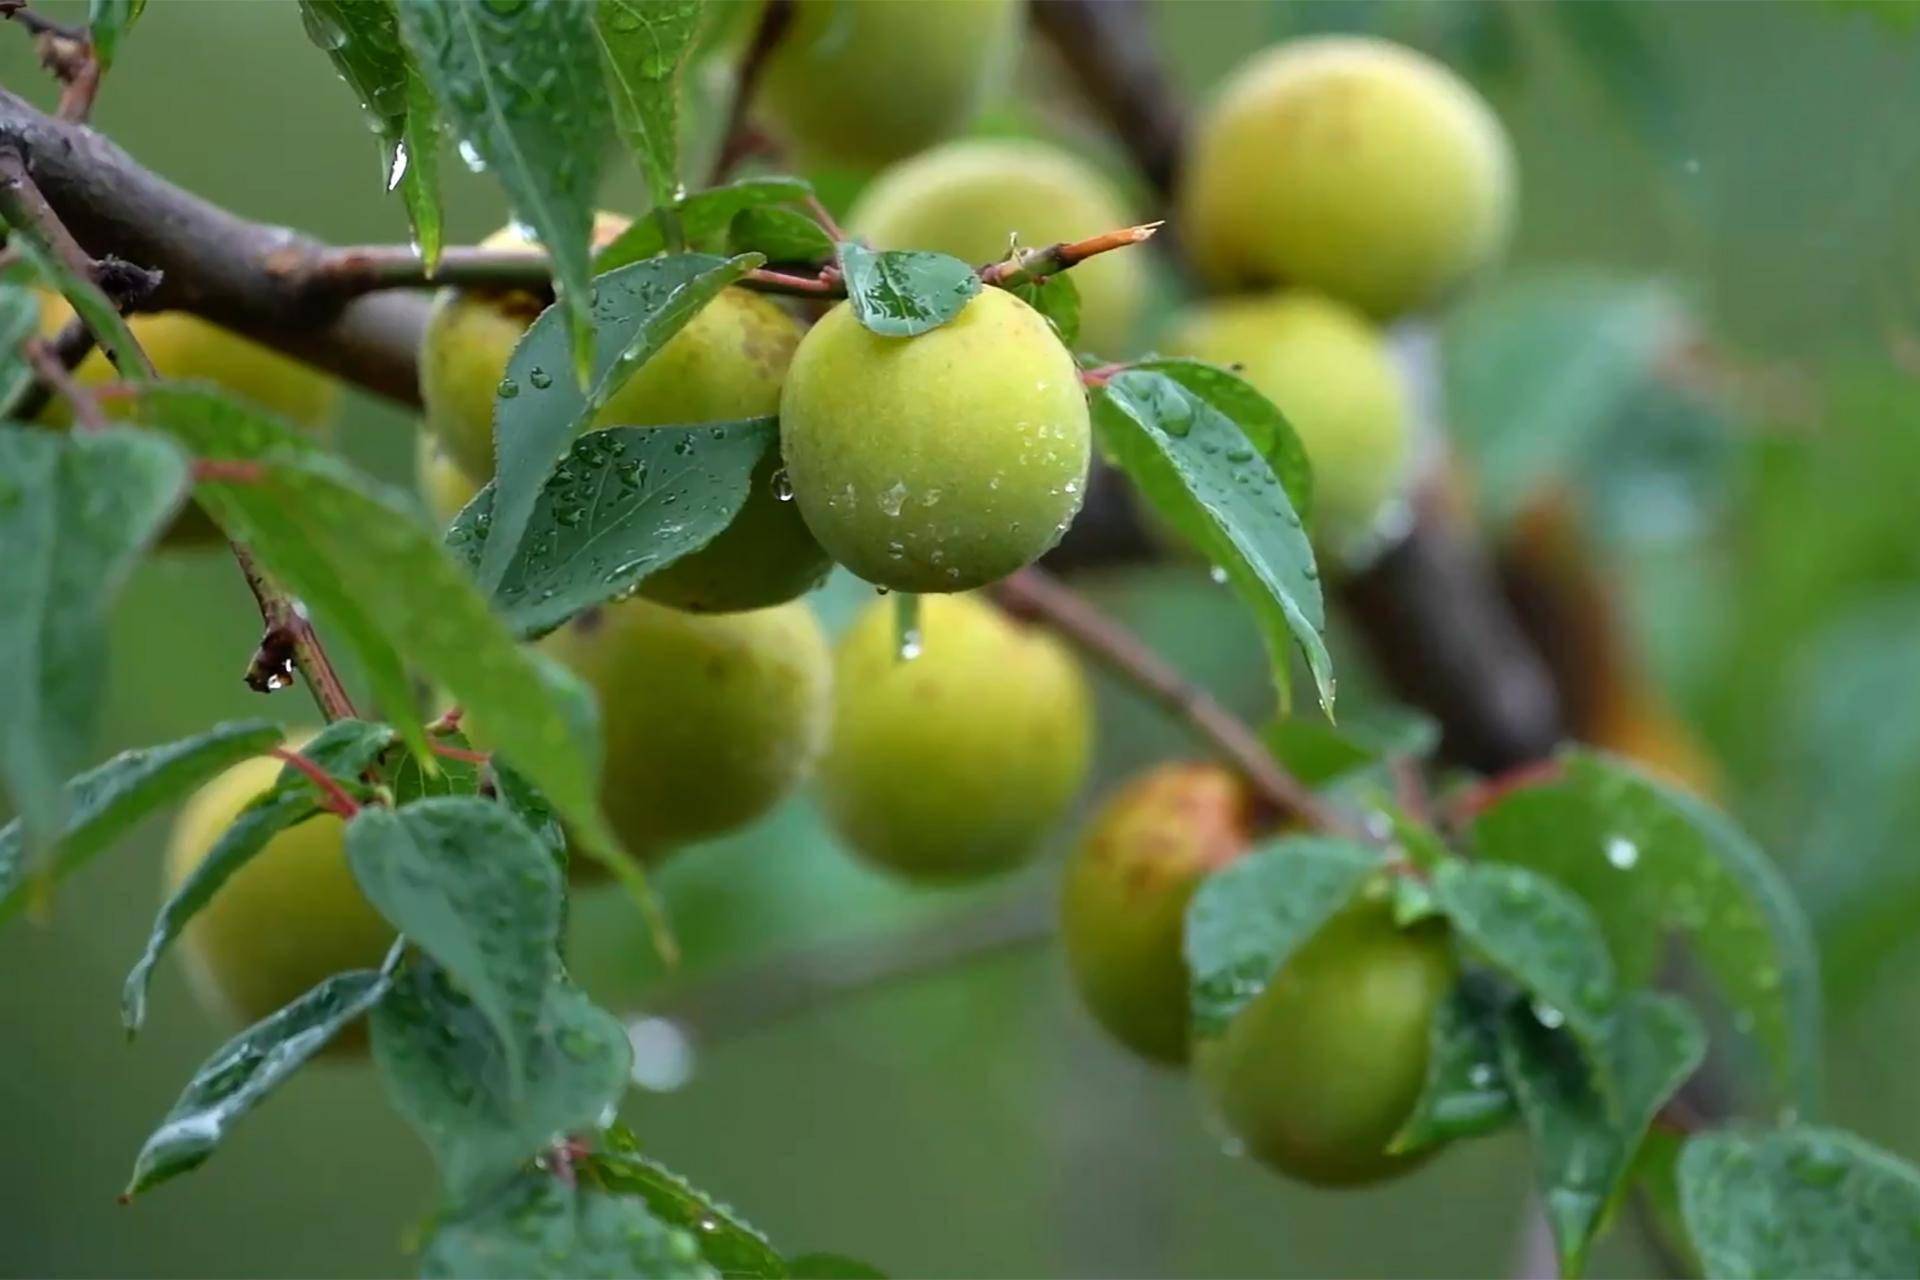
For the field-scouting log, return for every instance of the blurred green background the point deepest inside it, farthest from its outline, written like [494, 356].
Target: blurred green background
[1753, 168]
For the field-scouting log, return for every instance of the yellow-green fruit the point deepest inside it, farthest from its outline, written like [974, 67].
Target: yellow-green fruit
[952, 764]
[1327, 369]
[444, 486]
[1123, 910]
[970, 199]
[289, 919]
[873, 80]
[1319, 1072]
[727, 363]
[708, 720]
[1349, 165]
[940, 462]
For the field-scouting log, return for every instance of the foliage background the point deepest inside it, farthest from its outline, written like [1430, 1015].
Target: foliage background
[1756, 158]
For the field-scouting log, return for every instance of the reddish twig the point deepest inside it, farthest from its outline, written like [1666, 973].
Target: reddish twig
[334, 795]
[70, 346]
[824, 216]
[1475, 800]
[54, 374]
[1099, 374]
[447, 722]
[228, 471]
[461, 753]
[1030, 265]
[289, 643]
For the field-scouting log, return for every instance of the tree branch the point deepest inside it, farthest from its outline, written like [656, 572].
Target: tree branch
[740, 138]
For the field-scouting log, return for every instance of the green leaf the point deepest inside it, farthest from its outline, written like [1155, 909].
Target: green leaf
[1652, 862]
[1466, 1092]
[362, 37]
[1057, 298]
[642, 44]
[1201, 470]
[779, 235]
[107, 22]
[19, 321]
[622, 504]
[86, 299]
[1258, 418]
[1247, 918]
[342, 750]
[448, 1073]
[76, 510]
[249, 1067]
[540, 1225]
[731, 1245]
[521, 85]
[1583, 1147]
[898, 293]
[832, 1266]
[1802, 1201]
[540, 411]
[1320, 754]
[105, 801]
[703, 217]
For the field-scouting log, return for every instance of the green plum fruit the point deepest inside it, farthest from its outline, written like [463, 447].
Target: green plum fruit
[444, 487]
[973, 198]
[289, 919]
[939, 462]
[1123, 909]
[1328, 370]
[866, 83]
[954, 763]
[708, 719]
[1318, 1073]
[1350, 165]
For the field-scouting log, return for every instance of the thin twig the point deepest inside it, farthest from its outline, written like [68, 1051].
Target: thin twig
[1035, 594]
[740, 138]
[38, 23]
[289, 641]
[54, 373]
[1037, 264]
[70, 346]
[335, 795]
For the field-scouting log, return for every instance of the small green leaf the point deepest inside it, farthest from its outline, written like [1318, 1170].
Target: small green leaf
[249, 1067]
[19, 321]
[1320, 754]
[76, 511]
[624, 503]
[642, 44]
[540, 410]
[731, 1245]
[342, 750]
[1653, 862]
[1057, 298]
[703, 218]
[539, 1226]
[832, 1266]
[1201, 470]
[1802, 1201]
[1466, 1093]
[1246, 919]
[521, 85]
[107, 22]
[448, 1073]
[898, 293]
[779, 235]
[105, 801]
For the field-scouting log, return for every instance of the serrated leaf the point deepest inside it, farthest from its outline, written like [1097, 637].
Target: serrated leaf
[1803, 1201]
[779, 235]
[636, 310]
[703, 218]
[1057, 298]
[19, 321]
[539, 1225]
[521, 86]
[832, 1266]
[1583, 1146]
[1198, 467]
[1652, 862]
[642, 44]
[342, 750]
[107, 22]
[1247, 918]
[1258, 418]
[624, 503]
[76, 511]
[448, 1073]
[731, 1245]
[105, 801]
[1466, 1091]
[362, 37]
[247, 1068]
[898, 293]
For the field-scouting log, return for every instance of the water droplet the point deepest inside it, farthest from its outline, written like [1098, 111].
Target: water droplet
[1622, 852]
[472, 157]
[782, 486]
[892, 500]
[540, 378]
[1218, 574]
[663, 1056]
[1548, 1016]
[507, 389]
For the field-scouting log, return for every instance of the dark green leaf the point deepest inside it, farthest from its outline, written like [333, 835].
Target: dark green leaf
[448, 1074]
[1652, 862]
[731, 1245]
[1803, 1201]
[521, 85]
[703, 218]
[107, 22]
[1631, 67]
[1246, 919]
[1258, 418]
[451, 777]
[1466, 1093]
[19, 321]
[642, 43]
[1319, 753]
[541, 410]
[898, 293]
[779, 235]
[540, 1225]
[528, 805]
[249, 1067]
[343, 749]
[1198, 467]
[76, 510]
[622, 504]
[1057, 298]
[832, 1266]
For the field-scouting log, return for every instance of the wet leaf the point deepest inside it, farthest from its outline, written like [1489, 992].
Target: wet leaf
[898, 293]
[703, 218]
[642, 45]
[1466, 1092]
[1057, 298]
[779, 235]
[731, 1245]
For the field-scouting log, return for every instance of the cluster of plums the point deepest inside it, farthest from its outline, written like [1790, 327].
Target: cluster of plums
[1334, 184]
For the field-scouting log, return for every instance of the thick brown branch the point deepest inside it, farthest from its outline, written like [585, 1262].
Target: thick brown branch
[1109, 47]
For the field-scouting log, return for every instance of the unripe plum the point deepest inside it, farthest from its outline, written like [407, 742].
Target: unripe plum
[939, 462]
[290, 918]
[708, 720]
[1327, 369]
[952, 764]
[1350, 165]
[1123, 910]
[443, 485]
[1320, 1071]
[867, 83]
[971, 198]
